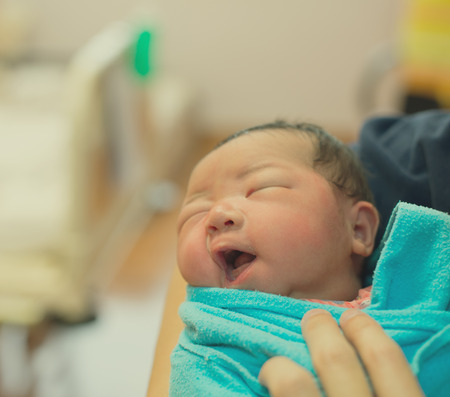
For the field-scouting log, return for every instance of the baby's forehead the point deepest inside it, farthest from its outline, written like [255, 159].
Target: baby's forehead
[248, 150]
[284, 143]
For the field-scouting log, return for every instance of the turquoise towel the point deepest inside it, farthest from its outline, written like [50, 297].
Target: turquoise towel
[229, 334]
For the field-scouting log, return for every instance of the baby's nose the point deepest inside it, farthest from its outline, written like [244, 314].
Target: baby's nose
[224, 217]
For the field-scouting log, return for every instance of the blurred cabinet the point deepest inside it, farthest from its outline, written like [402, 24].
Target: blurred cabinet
[79, 148]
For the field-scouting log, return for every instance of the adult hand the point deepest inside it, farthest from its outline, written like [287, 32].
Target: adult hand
[341, 359]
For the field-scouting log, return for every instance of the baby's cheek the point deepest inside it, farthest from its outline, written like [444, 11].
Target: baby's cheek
[194, 262]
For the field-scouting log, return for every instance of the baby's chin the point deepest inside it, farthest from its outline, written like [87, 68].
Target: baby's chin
[251, 287]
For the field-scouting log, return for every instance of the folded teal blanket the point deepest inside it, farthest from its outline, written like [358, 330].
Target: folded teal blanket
[229, 334]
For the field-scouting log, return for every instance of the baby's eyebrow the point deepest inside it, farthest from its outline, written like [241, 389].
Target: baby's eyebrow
[194, 196]
[256, 168]
[252, 169]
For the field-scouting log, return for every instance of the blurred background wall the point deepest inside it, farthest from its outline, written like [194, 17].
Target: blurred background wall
[250, 61]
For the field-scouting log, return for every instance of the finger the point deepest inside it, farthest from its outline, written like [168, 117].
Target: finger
[384, 360]
[334, 359]
[285, 378]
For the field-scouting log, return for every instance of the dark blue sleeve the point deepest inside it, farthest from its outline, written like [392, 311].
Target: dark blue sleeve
[407, 159]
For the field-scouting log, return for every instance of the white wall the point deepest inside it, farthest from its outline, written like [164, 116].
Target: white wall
[250, 60]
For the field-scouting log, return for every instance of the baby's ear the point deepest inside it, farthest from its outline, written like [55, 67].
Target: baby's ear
[365, 225]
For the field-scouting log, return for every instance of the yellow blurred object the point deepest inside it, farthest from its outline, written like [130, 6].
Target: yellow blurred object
[425, 49]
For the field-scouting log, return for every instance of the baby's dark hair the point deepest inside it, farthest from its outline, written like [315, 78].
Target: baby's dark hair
[334, 160]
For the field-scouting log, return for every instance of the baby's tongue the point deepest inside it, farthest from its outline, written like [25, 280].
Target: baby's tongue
[243, 259]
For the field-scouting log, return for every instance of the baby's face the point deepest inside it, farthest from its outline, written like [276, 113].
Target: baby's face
[257, 216]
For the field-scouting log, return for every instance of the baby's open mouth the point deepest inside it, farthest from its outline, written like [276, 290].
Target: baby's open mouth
[236, 262]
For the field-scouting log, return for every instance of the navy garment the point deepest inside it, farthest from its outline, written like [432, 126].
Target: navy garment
[407, 159]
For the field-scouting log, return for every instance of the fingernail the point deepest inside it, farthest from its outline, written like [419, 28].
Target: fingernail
[310, 314]
[349, 314]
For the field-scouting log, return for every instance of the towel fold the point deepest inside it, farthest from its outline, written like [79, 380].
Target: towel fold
[229, 334]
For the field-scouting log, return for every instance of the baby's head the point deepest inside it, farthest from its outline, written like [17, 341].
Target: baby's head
[279, 208]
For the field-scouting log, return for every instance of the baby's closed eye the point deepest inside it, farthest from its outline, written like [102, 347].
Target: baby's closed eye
[189, 213]
[267, 188]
